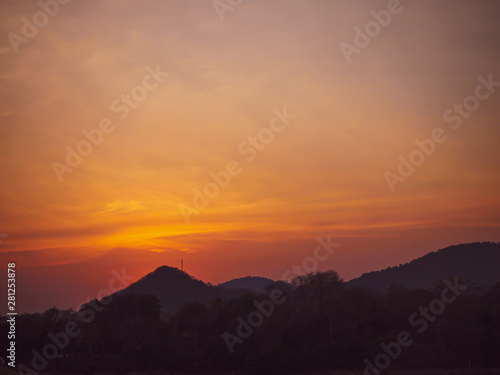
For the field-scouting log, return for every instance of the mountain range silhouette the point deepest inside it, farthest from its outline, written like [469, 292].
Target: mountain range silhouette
[478, 263]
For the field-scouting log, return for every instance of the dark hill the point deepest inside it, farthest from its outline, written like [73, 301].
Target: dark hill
[174, 287]
[477, 262]
[254, 283]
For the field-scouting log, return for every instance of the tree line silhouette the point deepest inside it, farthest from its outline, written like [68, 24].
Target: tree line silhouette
[321, 324]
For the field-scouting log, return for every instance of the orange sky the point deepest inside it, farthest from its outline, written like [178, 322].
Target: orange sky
[322, 175]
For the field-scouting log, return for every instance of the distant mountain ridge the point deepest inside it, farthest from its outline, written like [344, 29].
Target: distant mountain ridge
[478, 262]
[255, 283]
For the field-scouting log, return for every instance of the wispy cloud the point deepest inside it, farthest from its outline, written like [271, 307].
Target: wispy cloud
[2, 236]
[121, 207]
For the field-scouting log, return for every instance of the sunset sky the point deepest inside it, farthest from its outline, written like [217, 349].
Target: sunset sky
[322, 175]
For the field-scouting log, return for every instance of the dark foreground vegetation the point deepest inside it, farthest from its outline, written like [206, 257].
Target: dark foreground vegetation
[316, 324]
